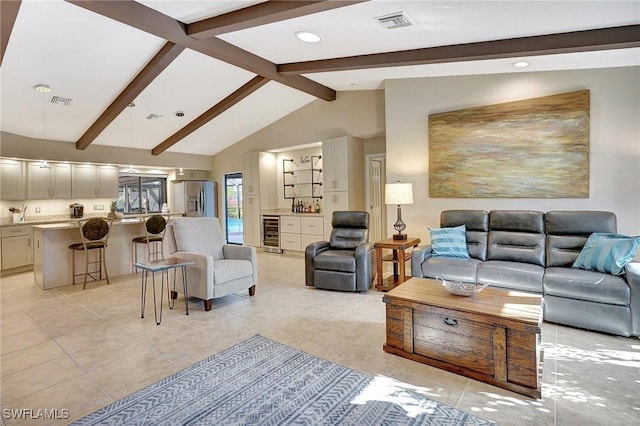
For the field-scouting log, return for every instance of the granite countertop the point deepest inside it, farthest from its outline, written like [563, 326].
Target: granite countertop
[286, 212]
[62, 222]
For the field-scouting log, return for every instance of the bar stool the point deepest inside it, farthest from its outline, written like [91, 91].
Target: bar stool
[94, 233]
[155, 226]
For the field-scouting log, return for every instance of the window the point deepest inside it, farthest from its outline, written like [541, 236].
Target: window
[141, 194]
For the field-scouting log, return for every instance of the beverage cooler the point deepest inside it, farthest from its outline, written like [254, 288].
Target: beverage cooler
[271, 233]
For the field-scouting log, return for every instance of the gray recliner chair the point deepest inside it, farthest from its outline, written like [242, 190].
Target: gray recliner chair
[347, 262]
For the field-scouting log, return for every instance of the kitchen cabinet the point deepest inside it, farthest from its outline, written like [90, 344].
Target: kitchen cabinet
[52, 181]
[94, 181]
[343, 169]
[251, 221]
[259, 192]
[297, 232]
[13, 177]
[17, 246]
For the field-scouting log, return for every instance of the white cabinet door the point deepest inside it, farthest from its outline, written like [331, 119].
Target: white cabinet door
[335, 163]
[251, 173]
[290, 241]
[83, 181]
[17, 247]
[12, 179]
[106, 182]
[334, 201]
[91, 181]
[53, 181]
[60, 180]
[251, 221]
[38, 181]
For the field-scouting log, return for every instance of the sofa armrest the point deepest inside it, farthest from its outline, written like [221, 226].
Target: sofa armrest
[234, 251]
[632, 272]
[419, 255]
[309, 253]
[199, 275]
[365, 266]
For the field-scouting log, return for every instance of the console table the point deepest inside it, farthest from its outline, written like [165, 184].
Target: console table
[397, 256]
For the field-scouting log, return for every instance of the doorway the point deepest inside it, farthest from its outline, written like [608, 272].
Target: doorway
[233, 208]
[375, 180]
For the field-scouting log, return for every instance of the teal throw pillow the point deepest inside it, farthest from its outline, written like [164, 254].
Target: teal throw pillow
[608, 253]
[450, 242]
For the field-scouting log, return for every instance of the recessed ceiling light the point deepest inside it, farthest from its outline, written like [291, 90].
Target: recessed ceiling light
[521, 64]
[354, 85]
[42, 88]
[308, 37]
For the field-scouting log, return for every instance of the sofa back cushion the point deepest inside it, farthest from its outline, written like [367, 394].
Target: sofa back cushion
[199, 235]
[477, 226]
[517, 236]
[567, 232]
[350, 229]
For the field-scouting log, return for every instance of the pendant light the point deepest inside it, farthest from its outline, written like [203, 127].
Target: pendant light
[43, 89]
[131, 106]
[180, 114]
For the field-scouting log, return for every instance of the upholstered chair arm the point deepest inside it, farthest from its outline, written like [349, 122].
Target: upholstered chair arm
[199, 276]
[419, 255]
[632, 271]
[365, 266]
[234, 251]
[309, 253]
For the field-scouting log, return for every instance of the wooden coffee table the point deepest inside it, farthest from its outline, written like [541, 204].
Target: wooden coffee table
[493, 337]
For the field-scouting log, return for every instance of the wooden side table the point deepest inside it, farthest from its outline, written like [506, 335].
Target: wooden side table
[397, 256]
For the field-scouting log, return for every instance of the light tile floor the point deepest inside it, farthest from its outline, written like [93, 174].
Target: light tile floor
[75, 350]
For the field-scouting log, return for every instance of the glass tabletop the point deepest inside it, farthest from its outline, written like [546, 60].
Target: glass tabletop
[164, 264]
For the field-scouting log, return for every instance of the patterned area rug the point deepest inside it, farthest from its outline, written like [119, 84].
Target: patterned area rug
[263, 382]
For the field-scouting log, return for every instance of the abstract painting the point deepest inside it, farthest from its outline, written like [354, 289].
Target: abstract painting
[533, 148]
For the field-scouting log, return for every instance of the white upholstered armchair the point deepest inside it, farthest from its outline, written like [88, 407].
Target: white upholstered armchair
[220, 268]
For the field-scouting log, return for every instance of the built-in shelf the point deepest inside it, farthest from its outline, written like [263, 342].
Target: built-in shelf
[301, 182]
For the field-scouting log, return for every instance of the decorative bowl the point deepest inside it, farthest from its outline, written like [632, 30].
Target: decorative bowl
[460, 288]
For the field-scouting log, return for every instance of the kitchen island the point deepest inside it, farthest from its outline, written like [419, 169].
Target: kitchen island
[52, 265]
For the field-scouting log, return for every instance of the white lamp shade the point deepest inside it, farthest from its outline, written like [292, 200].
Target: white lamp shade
[398, 193]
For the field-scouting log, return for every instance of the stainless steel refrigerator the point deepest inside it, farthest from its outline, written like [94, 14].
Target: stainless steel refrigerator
[195, 198]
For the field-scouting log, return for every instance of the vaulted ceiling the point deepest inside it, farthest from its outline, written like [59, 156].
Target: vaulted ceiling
[234, 67]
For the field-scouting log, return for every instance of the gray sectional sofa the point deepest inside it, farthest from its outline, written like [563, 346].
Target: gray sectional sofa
[534, 251]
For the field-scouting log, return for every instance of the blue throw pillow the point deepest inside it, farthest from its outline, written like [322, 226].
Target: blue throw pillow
[608, 253]
[451, 242]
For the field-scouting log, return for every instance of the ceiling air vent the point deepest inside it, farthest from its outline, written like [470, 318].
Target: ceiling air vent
[153, 116]
[395, 20]
[59, 100]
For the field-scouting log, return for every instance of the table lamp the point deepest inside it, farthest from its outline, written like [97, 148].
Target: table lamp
[398, 193]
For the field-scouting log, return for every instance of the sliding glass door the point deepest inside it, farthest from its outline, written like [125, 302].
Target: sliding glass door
[233, 207]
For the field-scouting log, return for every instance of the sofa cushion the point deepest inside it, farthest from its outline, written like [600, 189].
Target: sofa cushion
[586, 285]
[450, 242]
[335, 260]
[516, 247]
[513, 275]
[567, 231]
[477, 224]
[451, 268]
[199, 235]
[608, 253]
[231, 269]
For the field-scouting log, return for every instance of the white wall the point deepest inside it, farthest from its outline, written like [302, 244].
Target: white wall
[614, 148]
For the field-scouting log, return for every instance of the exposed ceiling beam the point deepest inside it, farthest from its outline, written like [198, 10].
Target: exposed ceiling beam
[570, 42]
[261, 14]
[154, 67]
[244, 91]
[149, 20]
[8, 13]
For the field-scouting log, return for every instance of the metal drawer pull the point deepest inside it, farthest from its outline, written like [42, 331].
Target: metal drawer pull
[451, 322]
